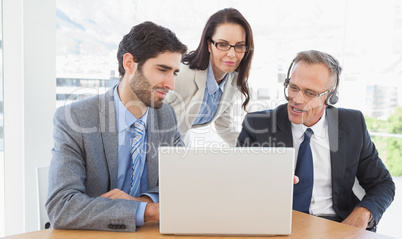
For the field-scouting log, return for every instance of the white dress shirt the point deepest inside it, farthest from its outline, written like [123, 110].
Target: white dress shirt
[321, 200]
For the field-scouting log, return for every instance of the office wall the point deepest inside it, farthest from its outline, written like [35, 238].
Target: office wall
[29, 104]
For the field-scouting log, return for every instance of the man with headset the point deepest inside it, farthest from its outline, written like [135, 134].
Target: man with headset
[332, 145]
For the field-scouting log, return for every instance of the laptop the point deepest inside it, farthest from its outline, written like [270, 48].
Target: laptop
[226, 191]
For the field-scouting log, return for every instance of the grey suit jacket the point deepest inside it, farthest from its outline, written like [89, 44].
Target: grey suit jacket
[187, 97]
[353, 155]
[85, 162]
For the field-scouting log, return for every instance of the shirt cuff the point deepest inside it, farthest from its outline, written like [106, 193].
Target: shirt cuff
[371, 223]
[154, 196]
[139, 215]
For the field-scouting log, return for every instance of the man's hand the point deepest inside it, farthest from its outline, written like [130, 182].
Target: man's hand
[295, 179]
[359, 217]
[118, 194]
[151, 212]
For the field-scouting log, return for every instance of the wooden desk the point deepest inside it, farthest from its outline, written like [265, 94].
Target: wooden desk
[304, 226]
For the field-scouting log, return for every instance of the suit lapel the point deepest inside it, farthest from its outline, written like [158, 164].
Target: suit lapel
[108, 128]
[284, 128]
[337, 144]
[196, 99]
[201, 79]
[153, 142]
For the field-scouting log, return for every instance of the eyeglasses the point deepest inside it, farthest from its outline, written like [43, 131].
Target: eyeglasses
[294, 90]
[240, 48]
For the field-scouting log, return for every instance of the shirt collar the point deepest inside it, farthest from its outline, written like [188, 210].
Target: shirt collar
[124, 117]
[212, 85]
[318, 129]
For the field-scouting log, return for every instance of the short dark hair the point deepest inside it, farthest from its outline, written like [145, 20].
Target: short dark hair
[148, 40]
[199, 58]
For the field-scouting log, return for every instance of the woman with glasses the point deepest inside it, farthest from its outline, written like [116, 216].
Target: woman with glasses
[214, 75]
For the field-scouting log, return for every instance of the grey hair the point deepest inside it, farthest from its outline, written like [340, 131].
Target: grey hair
[317, 57]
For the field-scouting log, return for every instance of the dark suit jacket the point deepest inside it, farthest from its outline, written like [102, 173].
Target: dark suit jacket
[353, 154]
[85, 162]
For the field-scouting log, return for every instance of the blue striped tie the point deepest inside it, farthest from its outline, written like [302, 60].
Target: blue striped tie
[139, 128]
[303, 190]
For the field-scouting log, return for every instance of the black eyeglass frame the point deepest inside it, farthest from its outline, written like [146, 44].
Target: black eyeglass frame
[216, 44]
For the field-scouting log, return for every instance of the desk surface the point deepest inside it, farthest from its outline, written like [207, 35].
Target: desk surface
[304, 226]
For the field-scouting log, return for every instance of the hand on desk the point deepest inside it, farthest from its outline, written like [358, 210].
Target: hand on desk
[118, 194]
[151, 212]
[359, 217]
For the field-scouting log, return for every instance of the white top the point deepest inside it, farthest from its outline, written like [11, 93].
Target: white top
[321, 201]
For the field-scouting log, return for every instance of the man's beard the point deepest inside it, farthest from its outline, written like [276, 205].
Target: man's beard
[139, 84]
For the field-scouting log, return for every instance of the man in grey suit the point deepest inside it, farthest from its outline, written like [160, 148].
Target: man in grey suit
[341, 149]
[104, 170]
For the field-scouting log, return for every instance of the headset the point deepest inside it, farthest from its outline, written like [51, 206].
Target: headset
[332, 98]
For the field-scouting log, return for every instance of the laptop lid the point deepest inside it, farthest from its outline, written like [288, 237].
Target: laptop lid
[226, 191]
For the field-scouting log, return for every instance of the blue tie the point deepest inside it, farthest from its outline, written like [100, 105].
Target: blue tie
[303, 190]
[139, 128]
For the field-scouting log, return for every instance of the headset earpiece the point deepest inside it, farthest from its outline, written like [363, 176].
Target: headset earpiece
[332, 98]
